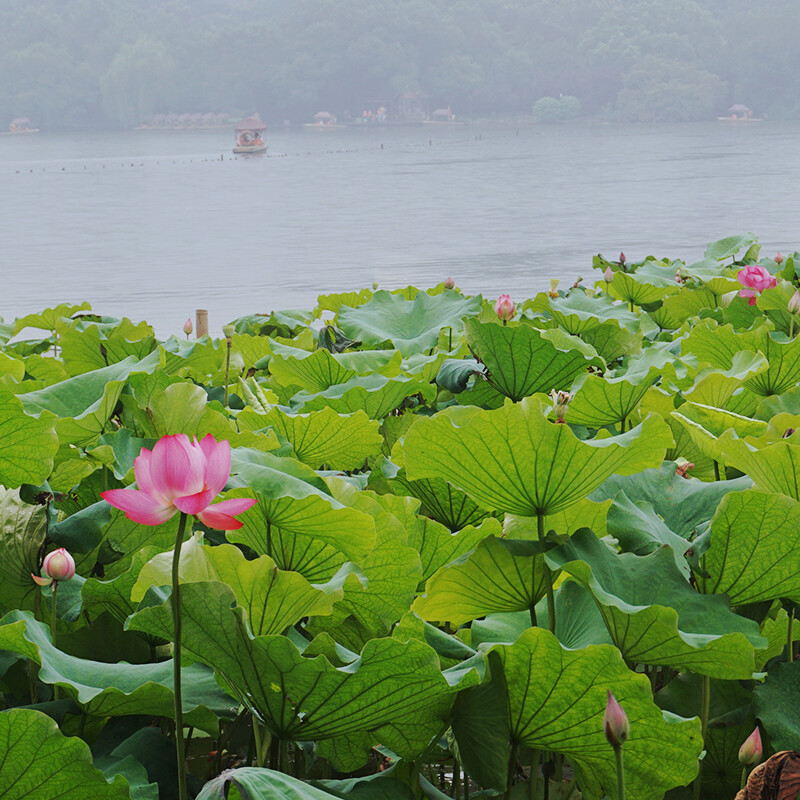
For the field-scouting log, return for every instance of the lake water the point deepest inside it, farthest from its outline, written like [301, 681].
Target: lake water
[155, 224]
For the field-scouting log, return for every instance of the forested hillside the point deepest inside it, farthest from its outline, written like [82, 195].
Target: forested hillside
[77, 63]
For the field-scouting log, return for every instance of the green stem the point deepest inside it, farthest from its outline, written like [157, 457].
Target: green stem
[180, 748]
[789, 642]
[466, 785]
[743, 782]
[512, 768]
[620, 774]
[551, 606]
[53, 622]
[716, 471]
[227, 368]
[533, 778]
[791, 326]
[704, 711]
[257, 739]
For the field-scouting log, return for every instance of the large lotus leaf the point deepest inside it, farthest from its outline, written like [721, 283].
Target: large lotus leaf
[86, 350]
[556, 700]
[394, 692]
[273, 599]
[11, 369]
[23, 529]
[773, 468]
[313, 372]
[715, 387]
[520, 361]
[324, 437]
[654, 615]
[40, 763]
[123, 536]
[49, 319]
[264, 784]
[28, 444]
[755, 548]
[648, 284]
[583, 514]
[611, 342]
[675, 310]
[775, 703]
[579, 313]
[109, 690]
[683, 503]
[194, 359]
[774, 303]
[376, 395]
[333, 302]
[729, 246]
[412, 326]
[600, 401]
[249, 349]
[298, 525]
[513, 459]
[499, 575]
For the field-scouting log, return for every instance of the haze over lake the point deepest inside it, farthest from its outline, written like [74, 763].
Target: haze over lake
[155, 224]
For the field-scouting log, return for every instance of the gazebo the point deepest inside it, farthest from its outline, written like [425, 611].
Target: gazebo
[741, 112]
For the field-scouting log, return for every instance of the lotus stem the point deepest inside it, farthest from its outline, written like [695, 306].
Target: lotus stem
[745, 773]
[466, 785]
[53, 623]
[620, 773]
[716, 471]
[533, 779]
[551, 606]
[229, 344]
[791, 326]
[180, 747]
[704, 710]
[512, 768]
[789, 642]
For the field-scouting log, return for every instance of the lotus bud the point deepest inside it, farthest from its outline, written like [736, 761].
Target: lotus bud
[57, 566]
[615, 723]
[228, 331]
[554, 287]
[504, 308]
[794, 303]
[375, 286]
[750, 752]
[188, 328]
[560, 404]
[778, 258]
[621, 257]
[449, 283]
[608, 275]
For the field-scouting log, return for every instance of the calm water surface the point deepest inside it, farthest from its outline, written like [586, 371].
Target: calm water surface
[153, 225]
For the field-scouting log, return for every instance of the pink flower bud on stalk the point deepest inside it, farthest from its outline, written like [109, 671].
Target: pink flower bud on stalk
[608, 275]
[621, 257]
[560, 404]
[188, 328]
[57, 566]
[794, 303]
[504, 308]
[778, 258]
[449, 283]
[615, 723]
[751, 751]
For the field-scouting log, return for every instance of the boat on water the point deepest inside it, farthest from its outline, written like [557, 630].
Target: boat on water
[20, 125]
[248, 136]
[323, 121]
[740, 114]
[442, 116]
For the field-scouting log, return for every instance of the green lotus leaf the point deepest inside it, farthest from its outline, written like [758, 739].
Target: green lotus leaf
[729, 246]
[499, 575]
[273, 599]
[774, 703]
[333, 302]
[675, 310]
[28, 444]
[122, 536]
[654, 615]
[583, 514]
[412, 326]
[11, 368]
[23, 529]
[455, 374]
[40, 763]
[578, 313]
[49, 319]
[556, 700]
[194, 359]
[683, 503]
[394, 692]
[649, 284]
[773, 468]
[755, 548]
[715, 387]
[611, 342]
[774, 303]
[264, 784]
[108, 690]
[513, 459]
[601, 401]
[376, 395]
[341, 441]
[88, 349]
[520, 361]
[248, 349]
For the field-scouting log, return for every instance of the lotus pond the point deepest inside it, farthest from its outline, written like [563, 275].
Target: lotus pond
[452, 530]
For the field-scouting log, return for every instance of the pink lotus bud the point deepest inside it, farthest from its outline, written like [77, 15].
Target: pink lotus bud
[751, 751]
[187, 327]
[778, 258]
[608, 275]
[57, 566]
[621, 257]
[449, 283]
[794, 303]
[504, 308]
[615, 723]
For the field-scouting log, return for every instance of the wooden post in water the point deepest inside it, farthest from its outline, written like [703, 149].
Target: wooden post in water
[201, 320]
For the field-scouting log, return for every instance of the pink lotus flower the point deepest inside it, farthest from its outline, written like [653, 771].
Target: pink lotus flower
[181, 475]
[504, 308]
[57, 566]
[615, 722]
[755, 279]
[751, 751]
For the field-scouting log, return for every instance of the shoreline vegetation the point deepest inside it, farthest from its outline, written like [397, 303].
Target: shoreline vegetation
[410, 544]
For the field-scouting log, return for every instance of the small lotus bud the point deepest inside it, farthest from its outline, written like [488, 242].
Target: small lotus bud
[228, 331]
[57, 566]
[608, 275]
[621, 257]
[615, 723]
[794, 303]
[188, 328]
[375, 286]
[751, 751]
[778, 258]
[449, 283]
[504, 308]
[560, 404]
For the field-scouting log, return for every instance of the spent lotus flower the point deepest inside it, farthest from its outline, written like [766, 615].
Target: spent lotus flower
[615, 723]
[504, 308]
[181, 475]
[755, 279]
[57, 566]
[751, 751]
